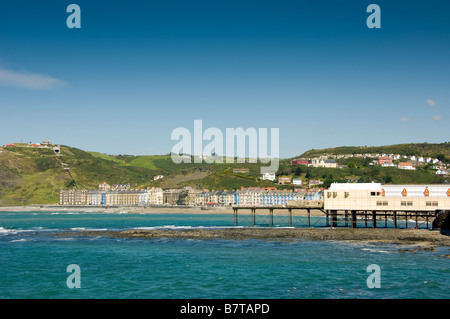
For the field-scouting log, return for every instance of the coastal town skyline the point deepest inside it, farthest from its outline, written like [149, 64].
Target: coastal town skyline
[224, 158]
[133, 73]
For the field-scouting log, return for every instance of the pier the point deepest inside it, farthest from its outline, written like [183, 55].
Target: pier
[345, 218]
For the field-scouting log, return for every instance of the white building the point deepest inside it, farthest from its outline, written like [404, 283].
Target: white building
[377, 197]
[249, 196]
[297, 181]
[323, 162]
[155, 196]
[268, 176]
[406, 165]
[143, 197]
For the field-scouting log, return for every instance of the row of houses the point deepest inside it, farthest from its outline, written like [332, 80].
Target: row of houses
[329, 160]
[386, 161]
[322, 161]
[252, 196]
[108, 197]
[44, 143]
[412, 158]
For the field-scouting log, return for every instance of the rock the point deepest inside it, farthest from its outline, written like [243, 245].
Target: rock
[442, 220]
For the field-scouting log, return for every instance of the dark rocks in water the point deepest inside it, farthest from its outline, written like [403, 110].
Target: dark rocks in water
[442, 220]
[395, 236]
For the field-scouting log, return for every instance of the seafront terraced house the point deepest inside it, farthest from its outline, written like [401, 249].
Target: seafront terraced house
[155, 196]
[278, 197]
[71, 197]
[117, 195]
[257, 197]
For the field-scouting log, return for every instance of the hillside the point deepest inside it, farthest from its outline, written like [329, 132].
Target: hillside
[31, 175]
[35, 175]
[417, 149]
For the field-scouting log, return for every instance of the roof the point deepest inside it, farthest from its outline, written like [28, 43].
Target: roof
[355, 186]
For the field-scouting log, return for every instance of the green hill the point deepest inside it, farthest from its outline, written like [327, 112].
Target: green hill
[35, 175]
[417, 149]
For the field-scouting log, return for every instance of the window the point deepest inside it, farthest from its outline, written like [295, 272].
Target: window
[375, 193]
[346, 194]
[406, 203]
[431, 203]
[380, 203]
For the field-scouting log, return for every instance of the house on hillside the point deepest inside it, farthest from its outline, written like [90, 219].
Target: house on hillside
[323, 162]
[240, 170]
[268, 176]
[384, 160]
[300, 161]
[315, 182]
[406, 165]
[284, 180]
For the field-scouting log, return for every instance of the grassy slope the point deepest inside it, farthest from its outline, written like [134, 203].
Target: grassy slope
[35, 176]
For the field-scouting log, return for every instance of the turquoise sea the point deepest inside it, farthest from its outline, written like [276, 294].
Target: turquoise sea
[34, 262]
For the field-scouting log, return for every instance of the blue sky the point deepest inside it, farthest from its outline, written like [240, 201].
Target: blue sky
[136, 70]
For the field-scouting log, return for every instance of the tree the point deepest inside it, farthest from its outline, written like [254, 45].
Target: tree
[328, 182]
[351, 165]
[441, 157]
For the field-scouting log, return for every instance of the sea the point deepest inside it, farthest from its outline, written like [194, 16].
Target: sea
[35, 263]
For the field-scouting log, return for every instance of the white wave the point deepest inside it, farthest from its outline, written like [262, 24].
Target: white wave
[7, 231]
[185, 227]
[87, 228]
[18, 240]
[16, 231]
[372, 250]
[163, 227]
